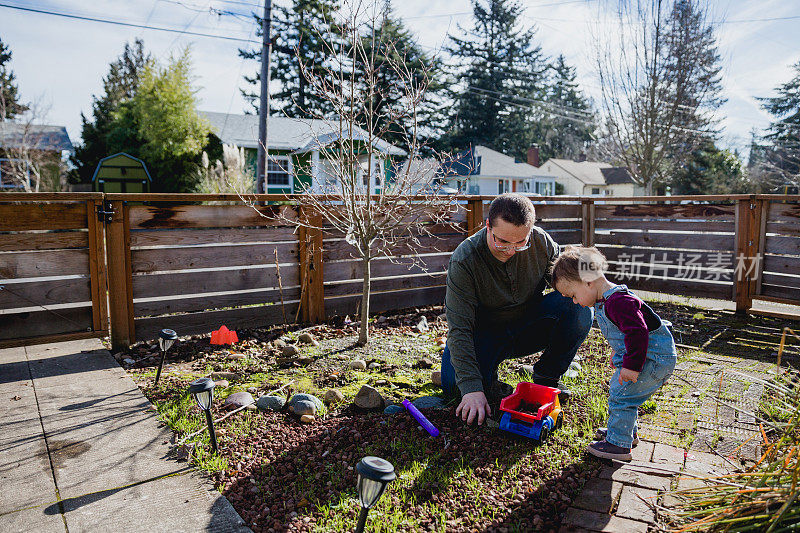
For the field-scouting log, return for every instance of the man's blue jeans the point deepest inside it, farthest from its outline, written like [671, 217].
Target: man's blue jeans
[554, 324]
[624, 400]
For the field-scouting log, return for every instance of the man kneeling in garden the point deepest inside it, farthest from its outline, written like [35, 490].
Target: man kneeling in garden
[496, 310]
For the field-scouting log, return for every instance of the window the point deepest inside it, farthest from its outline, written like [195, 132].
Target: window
[279, 172]
[595, 190]
[503, 186]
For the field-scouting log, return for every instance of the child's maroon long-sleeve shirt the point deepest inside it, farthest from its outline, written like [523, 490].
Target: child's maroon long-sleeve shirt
[625, 311]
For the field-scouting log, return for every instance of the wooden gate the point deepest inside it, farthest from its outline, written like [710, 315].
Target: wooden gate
[52, 269]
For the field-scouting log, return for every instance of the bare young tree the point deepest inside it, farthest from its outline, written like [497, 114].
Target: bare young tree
[657, 86]
[31, 155]
[382, 208]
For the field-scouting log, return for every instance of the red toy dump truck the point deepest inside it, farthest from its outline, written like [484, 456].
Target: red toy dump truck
[532, 411]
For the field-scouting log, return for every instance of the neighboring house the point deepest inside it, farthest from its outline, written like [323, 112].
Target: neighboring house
[296, 149]
[589, 178]
[481, 170]
[24, 145]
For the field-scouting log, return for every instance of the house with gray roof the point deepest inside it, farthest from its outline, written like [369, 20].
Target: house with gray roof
[592, 178]
[51, 145]
[296, 149]
[481, 170]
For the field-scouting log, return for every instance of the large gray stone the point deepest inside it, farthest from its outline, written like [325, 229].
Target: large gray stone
[300, 397]
[393, 409]
[599, 495]
[368, 398]
[334, 396]
[271, 403]
[304, 407]
[238, 399]
[429, 402]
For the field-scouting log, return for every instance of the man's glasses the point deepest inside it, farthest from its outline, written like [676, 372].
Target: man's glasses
[507, 247]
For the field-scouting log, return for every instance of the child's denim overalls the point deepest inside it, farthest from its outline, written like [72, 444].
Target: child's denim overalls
[624, 400]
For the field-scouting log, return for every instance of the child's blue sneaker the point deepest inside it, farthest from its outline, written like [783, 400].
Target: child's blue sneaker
[602, 432]
[606, 450]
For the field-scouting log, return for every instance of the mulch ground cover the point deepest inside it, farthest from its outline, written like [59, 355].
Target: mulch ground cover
[284, 475]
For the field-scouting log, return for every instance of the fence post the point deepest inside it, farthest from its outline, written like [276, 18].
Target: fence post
[587, 225]
[747, 226]
[474, 216]
[120, 289]
[312, 300]
[97, 265]
[762, 211]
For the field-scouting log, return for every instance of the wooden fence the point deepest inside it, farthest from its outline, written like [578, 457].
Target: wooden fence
[172, 262]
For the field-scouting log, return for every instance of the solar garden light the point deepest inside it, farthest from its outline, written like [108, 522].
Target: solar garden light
[165, 340]
[203, 391]
[374, 474]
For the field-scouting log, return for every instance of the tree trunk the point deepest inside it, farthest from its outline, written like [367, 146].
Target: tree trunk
[363, 334]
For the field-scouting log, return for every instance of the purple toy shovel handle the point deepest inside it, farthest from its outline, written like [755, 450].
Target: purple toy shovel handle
[419, 417]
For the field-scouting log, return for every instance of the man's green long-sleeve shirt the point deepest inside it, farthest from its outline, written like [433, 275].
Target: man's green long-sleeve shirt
[484, 292]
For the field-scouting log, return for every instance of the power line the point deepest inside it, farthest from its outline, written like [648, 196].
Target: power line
[128, 24]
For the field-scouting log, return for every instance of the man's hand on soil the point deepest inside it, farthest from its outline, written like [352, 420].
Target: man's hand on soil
[473, 406]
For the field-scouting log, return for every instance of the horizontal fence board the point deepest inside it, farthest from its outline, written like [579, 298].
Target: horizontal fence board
[190, 237]
[784, 212]
[687, 241]
[208, 216]
[63, 291]
[385, 301]
[200, 303]
[11, 242]
[549, 225]
[388, 284]
[722, 291]
[44, 263]
[206, 322]
[383, 268]
[782, 264]
[782, 280]
[38, 323]
[676, 257]
[567, 236]
[22, 217]
[784, 228]
[341, 249]
[670, 225]
[782, 245]
[423, 230]
[144, 261]
[779, 291]
[153, 285]
[677, 211]
[548, 211]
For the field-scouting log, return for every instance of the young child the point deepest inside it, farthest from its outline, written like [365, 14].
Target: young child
[644, 350]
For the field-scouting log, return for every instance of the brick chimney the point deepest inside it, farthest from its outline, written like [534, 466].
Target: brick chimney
[533, 155]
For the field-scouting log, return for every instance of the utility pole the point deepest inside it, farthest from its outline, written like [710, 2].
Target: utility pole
[263, 107]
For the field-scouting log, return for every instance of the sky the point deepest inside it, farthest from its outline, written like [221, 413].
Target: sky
[60, 62]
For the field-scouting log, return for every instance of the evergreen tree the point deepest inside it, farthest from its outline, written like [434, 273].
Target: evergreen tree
[9, 99]
[782, 153]
[395, 51]
[500, 72]
[169, 133]
[567, 129]
[119, 86]
[709, 170]
[306, 28]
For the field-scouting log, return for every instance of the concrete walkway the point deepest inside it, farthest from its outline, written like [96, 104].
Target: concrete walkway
[81, 450]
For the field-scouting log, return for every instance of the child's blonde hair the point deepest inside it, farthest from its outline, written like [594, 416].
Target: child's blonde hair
[579, 263]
